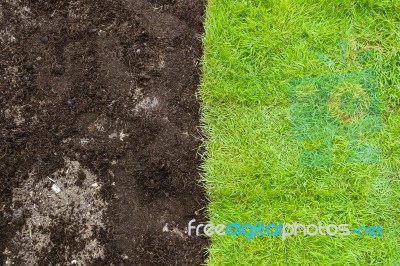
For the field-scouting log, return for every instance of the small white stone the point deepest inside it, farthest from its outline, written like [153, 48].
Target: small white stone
[165, 228]
[122, 135]
[56, 188]
[102, 33]
[84, 141]
[6, 252]
[9, 262]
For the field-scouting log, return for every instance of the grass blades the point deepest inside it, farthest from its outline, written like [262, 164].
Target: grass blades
[253, 170]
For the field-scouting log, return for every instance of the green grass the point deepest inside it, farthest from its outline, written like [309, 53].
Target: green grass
[252, 170]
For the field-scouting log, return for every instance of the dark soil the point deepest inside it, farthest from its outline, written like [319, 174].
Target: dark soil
[111, 86]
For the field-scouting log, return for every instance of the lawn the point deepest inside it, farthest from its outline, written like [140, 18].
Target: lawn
[284, 144]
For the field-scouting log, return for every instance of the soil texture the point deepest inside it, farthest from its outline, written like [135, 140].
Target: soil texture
[99, 136]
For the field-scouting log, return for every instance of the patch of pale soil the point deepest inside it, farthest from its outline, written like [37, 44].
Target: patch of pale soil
[63, 210]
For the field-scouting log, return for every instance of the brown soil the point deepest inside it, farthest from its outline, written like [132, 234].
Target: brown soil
[98, 99]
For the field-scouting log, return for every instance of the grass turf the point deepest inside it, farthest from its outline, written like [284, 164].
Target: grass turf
[252, 168]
